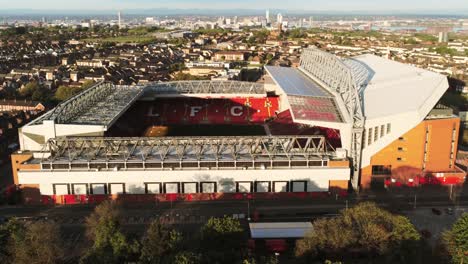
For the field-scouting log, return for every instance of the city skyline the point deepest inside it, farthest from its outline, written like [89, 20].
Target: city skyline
[342, 6]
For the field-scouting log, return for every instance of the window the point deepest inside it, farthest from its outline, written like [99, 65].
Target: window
[400, 149]
[382, 130]
[61, 189]
[190, 187]
[80, 188]
[262, 187]
[399, 159]
[98, 188]
[299, 186]
[244, 187]
[369, 137]
[376, 133]
[381, 170]
[401, 138]
[171, 187]
[389, 128]
[116, 188]
[208, 187]
[153, 187]
[280, 186]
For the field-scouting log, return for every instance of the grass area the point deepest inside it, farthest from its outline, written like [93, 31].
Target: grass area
[123, 39]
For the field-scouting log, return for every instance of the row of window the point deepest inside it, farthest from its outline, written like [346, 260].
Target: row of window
[374, 133]
[179, 187]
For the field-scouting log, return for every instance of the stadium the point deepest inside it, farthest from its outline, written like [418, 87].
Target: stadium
[330, 125]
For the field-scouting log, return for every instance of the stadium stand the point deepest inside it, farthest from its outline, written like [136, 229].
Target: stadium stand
[284, 124]
[314, 108]
[210, 110]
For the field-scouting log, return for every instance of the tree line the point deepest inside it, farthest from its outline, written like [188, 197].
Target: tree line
[362, 234]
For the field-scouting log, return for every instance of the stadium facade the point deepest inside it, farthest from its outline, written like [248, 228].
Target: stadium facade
[328, 124]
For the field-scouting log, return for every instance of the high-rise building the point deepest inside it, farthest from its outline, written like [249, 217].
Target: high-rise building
[267, 16]
[120, 19]
[311, 21]
[279, 18]
[443, 37]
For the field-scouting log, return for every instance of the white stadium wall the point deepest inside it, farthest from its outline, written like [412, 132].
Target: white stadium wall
[317, 180]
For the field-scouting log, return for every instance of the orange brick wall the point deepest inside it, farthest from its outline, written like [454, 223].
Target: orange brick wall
[16, 164]
[412, 153]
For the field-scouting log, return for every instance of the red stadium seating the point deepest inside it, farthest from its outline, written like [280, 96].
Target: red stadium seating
[284, 124]
[239, 110]
[315, 108]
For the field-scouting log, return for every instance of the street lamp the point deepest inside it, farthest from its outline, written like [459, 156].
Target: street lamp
[248, 206]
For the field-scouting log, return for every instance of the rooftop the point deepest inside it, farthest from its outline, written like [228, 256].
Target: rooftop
[395, 88]
[101, 105]
[294, 82]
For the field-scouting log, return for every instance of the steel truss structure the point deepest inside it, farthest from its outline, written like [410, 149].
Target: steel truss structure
[187, 152]
[347, 82]
[98, 105]
[206, 87]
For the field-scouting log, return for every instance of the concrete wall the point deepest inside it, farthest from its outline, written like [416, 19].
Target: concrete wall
[316, 179]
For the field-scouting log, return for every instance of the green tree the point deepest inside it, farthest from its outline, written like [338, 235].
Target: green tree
[222, 240]
[109, 244]
[41, 95]
[456, 240]
[37, 242]
[29, 89]
[8, 231]
[65, 92]
[365, 230]
[159, 243]
[186, 257]
[87, 84]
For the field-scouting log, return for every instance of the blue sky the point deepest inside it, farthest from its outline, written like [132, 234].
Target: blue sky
[309, 5]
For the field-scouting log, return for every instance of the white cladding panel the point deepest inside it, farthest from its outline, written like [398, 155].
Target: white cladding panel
[317, 178]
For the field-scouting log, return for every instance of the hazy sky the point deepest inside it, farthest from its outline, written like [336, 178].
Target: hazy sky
[306, 5]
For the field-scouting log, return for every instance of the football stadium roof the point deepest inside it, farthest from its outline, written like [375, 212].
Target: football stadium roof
[187, 152]
[294, 82]
[101, 105]
[395, 88]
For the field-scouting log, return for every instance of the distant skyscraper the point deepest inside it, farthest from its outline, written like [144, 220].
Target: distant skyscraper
[311, 21]
[120, 20]
[279, 18]
[443, 37]
[267, 16]
[300, 23]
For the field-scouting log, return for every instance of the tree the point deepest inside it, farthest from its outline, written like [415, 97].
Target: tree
[186, 257]
[29, 89]
[365, 231]
[65, 92]
[37, 242]
[456, 240]
[87, 84]
[159, 244]
[109, 244]
[9, 230]
[222, 240]
[40, 94]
